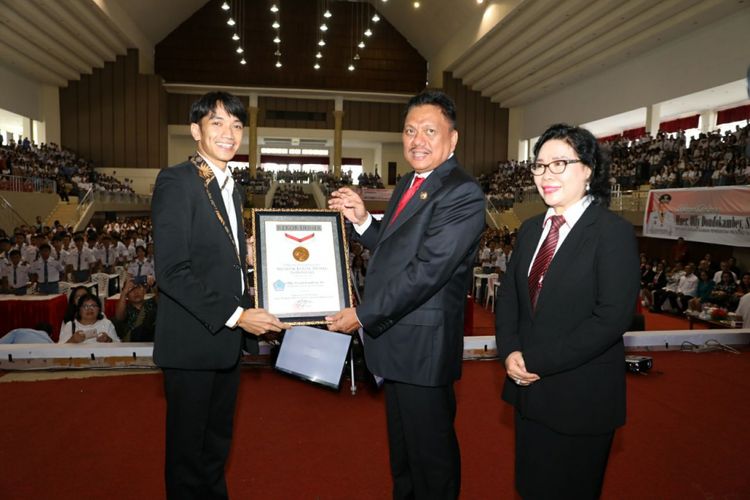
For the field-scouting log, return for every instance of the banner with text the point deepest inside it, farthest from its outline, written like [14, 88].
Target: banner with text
[713, 215]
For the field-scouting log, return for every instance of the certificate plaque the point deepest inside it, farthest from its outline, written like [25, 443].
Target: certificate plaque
[301, 264]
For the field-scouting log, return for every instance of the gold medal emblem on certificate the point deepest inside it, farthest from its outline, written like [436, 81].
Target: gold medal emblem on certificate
[301, 254]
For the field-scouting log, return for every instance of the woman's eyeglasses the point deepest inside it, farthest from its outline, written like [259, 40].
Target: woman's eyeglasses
[555, 167]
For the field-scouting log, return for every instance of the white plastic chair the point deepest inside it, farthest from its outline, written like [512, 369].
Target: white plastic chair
[102, 282]
[477, 282]
[491, 280]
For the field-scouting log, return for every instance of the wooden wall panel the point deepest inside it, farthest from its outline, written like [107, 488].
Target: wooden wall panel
[69, 116]
[482, 127]
[141, 121]
[153, 136]
[118, 111]
[107, 115]
[84, 117]
[388, 64]
[131, 96]
[95, 112]
[116, 117]
[373, 116]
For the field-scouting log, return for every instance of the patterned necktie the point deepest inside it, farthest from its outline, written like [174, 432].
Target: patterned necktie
[407, 196]
[543, 259]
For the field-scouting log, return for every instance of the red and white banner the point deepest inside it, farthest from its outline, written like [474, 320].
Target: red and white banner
[718, 215]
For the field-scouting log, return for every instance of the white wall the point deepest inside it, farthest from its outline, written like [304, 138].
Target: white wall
[710, 56]
[32, 100]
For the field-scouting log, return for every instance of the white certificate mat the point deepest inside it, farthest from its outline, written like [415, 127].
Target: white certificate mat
[313, 354]
[297, 286]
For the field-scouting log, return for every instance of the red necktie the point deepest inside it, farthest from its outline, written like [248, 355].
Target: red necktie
[407, 196]
[543, 258]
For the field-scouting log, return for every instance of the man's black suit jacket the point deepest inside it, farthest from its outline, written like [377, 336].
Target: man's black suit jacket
[197, 271]
[573, 339]
[417, 278]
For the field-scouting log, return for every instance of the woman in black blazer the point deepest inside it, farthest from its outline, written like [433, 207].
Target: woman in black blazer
[566, 300]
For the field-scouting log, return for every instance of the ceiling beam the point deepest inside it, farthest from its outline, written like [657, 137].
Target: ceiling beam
[14, 59]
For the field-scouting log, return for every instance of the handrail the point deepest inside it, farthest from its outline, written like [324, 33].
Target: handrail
[18, 184]
[84, 204]
[489, 212]
[6, 204]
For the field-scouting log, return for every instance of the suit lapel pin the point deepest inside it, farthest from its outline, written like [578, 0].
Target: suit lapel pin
[423, 195]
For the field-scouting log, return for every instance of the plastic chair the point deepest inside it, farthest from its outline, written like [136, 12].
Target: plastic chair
[491, 280]
[477, 282]
[102, 282]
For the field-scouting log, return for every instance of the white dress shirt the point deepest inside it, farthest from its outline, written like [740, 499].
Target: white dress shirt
[571, 215]
[223, 176]
[54, 270]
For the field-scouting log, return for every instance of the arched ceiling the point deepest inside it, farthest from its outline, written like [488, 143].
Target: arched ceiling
[513, 51]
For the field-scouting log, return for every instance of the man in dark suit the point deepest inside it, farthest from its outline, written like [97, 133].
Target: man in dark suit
[204, 306]
[413, 307]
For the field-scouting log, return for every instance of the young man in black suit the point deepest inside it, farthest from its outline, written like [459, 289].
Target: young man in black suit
[412, 312]
[204, 306]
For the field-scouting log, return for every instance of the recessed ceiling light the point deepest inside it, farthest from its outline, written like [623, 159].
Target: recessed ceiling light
[274, 8]
[242, 61]
[231, 22]
[278, 64]
[240, 50]
[317, 66]
[351, 67]
[327, 14]
[356, 57]
[416, 5]
[225, 6]
[322, 43]
[277, 39]
[235, 37]
[361, 45]
[323, 27]
[318, 55]
[276, 25]
[375, 18]
[368, 32]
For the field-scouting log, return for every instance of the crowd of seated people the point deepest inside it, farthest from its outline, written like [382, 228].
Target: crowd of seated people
[37, 259]
[25, 166]
[372, 181]
[671, 286]
[665, 161]
[495, 250]
[508, 183]
[329, 183]
[260, 184]
[289, 196]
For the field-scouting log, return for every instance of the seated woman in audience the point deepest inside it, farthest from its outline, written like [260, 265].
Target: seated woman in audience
[703, 292]
[723, 290]
[75, 294]
[743, 287]
[135, 315]
[89, 325]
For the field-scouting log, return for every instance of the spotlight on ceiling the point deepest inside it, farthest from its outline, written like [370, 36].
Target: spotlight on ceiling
[225, 6]
[231, 22]
[375, 18]
[274, 8]
[235, 37]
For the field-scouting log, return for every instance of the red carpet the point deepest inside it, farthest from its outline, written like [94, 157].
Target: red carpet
[687, 436]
